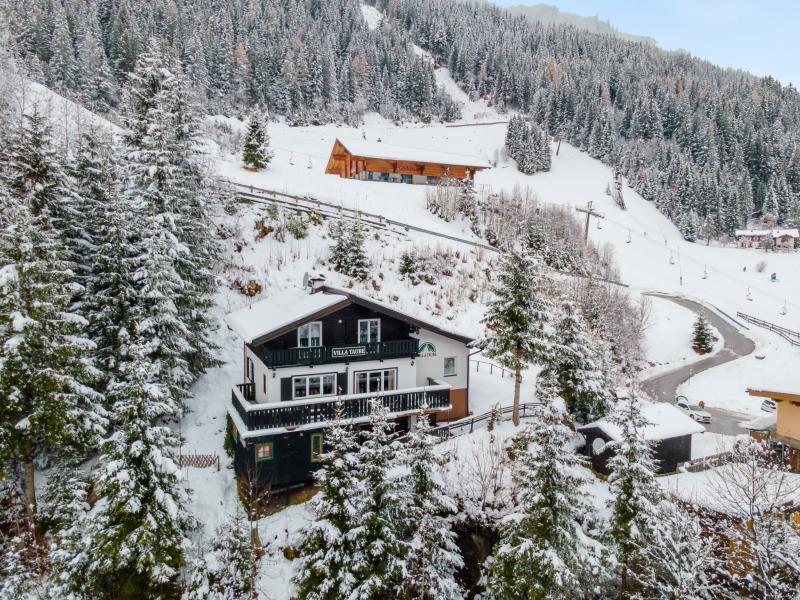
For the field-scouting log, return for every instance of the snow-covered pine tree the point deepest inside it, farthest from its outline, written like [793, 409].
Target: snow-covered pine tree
[680, 560]
[133, 544]
[326, 562]
[256, 152]
[154, 189]
[356, 261]
[434, 559]
[636, 495]
[380, 554]
[702, 338]
[226, 569]
[338, 250]
[579, 369]
[544, 550]
[46, 373]
[196, 197]
[66, 498]
[519, 331]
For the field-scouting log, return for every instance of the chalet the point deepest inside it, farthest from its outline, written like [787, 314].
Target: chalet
[782, 428]
[377, 161]
[759, 238]
[669, 430]
[306, 350]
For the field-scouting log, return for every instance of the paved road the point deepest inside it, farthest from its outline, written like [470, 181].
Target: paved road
[663, 387]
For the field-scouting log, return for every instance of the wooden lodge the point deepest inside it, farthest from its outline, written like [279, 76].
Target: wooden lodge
[781, 428]
[377, 161]
[306, 353]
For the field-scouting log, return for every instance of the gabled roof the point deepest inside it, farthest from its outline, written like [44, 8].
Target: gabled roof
[260, 321]
[666, 421]
[775, 233]
[404, 153]
[275, 316]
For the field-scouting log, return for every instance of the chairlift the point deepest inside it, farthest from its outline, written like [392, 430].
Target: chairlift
[309, 165]
[291, 158]
[671, 259]
[705, 272]
[598, 224]
[783, 310]
[628, 241]
[749, 295]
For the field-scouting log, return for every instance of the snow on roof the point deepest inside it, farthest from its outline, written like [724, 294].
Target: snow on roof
[414, 154]
[271, 314]
[764, 232]
[666, 421]
[388, 307]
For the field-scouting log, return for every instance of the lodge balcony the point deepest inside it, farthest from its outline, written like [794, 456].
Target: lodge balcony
[297, 413]
[318, 355]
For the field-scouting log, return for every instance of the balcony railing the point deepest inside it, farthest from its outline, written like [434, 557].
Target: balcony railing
[296, 413]
[328, 354]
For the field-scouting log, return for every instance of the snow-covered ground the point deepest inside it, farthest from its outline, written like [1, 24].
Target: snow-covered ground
[668, 339]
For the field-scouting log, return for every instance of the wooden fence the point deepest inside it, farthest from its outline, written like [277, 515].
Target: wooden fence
[445, 432]
[492, 367]
[793, 337]
[198, 461]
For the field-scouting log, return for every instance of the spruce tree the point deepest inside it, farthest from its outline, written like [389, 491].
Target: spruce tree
[702, 340]
[544, 551]
[327, 549]
[579, 369]
[635, 494]
[46, 375]
[380, 554]
[356, 262]
[256, 152]
[338, 251]
[226, 569]
[434, 558]
[519, 331]
[133, 545]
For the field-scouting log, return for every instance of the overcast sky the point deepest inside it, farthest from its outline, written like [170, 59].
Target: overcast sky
[762, 37]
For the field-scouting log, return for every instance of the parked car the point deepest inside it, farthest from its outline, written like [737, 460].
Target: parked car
[769, 405]
[694, 411]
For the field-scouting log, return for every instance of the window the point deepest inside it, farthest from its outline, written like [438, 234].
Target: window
[383, 380]
[384, 177]
[264, 379]
[406, 178]
[251, 371]
[369, 330]
[310, 386]
[310, 335]
[317, 445]
[264, 452]
[449, 366]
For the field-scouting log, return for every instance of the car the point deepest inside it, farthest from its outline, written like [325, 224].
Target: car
[769, 405]
[694, 411]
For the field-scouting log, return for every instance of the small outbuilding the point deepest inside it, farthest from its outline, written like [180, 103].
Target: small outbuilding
[376, 161]
[759, 238]
[670, 432]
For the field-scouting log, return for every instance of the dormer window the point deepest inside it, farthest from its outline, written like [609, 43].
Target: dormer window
[310, 335]
[369, 330]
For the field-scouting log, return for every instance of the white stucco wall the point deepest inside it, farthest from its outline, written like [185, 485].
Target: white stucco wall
[433, 366]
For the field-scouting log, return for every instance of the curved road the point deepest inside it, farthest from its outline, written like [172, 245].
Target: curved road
[663, 387]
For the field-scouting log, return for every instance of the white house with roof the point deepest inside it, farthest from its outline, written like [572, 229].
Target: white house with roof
[307, 351]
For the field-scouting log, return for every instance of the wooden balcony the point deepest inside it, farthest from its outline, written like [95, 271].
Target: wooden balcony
[333, 354]
[296, 413]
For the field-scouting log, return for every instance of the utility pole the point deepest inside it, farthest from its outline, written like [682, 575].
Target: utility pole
[590, 212]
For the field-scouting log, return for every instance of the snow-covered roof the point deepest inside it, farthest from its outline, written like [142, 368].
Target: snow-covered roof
[666, 421]
[776, 233]
[388, 308]
[412, 154]
[271, 314]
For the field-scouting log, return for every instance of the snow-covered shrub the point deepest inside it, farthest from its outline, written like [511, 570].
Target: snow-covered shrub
[297, 225]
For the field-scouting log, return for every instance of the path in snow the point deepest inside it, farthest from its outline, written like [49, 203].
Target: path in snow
[664, 387]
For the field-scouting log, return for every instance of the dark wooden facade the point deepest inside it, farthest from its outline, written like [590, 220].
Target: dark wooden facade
[348, 165]
[668, 452]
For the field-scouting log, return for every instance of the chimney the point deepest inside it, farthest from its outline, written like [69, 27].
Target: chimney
[316, 283]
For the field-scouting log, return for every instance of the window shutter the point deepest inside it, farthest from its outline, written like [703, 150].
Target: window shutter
[286, 388]
[341, 382]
